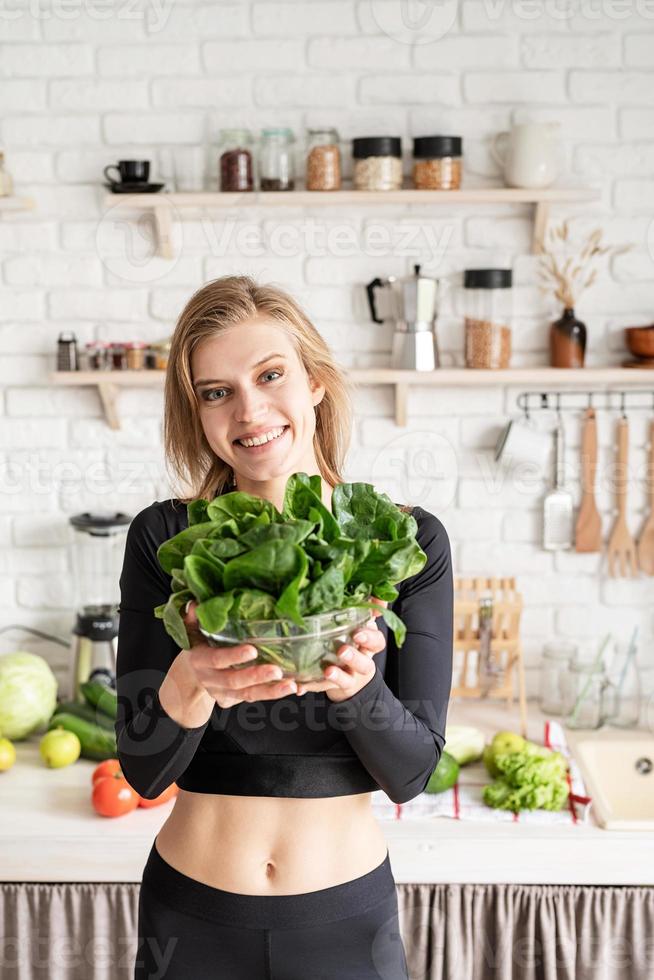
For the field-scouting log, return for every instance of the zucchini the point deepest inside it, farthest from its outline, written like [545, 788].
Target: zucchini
[101, 697]
[86, 712]
[97, 743]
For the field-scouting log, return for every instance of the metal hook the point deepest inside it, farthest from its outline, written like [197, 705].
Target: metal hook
[622, 398]
[590, 399]
[544, 400]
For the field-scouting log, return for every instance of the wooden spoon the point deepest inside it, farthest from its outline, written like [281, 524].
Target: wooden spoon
[588, 532]
[646, 540]
[621, 547]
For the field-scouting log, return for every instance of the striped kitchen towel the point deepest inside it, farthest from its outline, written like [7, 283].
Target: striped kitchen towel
[464, 801]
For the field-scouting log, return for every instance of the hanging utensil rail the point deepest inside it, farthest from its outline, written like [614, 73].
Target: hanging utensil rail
[550, 400]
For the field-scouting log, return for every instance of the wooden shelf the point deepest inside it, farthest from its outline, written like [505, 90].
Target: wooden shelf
[108, 382]
[12, 203]
[166, 206]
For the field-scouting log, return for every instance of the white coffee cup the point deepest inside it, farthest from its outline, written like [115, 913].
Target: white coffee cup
[521, 441]
[529, 154]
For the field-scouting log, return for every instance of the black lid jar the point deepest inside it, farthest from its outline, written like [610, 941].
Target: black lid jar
[437, 162]
[377, 163]
[488, 312]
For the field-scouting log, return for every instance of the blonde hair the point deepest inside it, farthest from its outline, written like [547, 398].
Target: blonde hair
[214, 308]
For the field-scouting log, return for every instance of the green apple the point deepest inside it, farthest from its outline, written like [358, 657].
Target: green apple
[7, 754]
[59, 748]
[504, 743]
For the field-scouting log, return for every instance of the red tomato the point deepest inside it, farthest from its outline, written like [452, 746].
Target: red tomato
[113, 796]
[167, 794]
[107, 768]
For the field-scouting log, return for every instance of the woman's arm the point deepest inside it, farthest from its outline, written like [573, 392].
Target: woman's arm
[399, 739]
[154, 748]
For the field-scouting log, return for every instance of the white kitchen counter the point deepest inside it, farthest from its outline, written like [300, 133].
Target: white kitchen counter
[49, 831]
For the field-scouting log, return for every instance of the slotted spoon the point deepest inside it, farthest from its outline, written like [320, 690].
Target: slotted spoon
[646, 540]
[621, 548]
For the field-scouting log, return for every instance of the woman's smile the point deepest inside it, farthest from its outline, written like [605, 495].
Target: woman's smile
[270, 445]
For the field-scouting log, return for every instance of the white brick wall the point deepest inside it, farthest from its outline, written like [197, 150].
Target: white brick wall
[83, 85]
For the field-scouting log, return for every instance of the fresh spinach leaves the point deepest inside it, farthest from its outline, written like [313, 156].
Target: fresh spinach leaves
[242, 559]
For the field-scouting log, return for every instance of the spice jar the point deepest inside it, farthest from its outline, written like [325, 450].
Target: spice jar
[323, 160]
[118, 356]
[377, 163]
[150, 358]
[162, 350]
[277, 165]
[136, 355]
[488, 313]
[97, 355]
[235, 160]
[437, 163]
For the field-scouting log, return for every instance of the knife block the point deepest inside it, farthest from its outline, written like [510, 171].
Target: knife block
[506, 649]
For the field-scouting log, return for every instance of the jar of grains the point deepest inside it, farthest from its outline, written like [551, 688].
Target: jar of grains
[323, 160]
[437, 163]
[277, 164]
[235, 160]
[136, 355]
[377, 163]
[488, 314]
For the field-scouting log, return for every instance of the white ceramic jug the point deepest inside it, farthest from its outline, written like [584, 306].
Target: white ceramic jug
[529, 154]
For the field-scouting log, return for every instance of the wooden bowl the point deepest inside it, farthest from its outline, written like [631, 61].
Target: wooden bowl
[640, 340]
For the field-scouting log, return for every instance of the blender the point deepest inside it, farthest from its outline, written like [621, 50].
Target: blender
[98, 546]
[412, 302]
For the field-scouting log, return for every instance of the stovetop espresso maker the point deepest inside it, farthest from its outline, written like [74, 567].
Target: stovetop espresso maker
[411, 303]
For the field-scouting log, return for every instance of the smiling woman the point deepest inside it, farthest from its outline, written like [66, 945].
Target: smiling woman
[302, 869]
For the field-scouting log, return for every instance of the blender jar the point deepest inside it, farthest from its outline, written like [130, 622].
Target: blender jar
[488, 311]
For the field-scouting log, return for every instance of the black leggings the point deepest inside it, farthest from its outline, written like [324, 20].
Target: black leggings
[188, 930]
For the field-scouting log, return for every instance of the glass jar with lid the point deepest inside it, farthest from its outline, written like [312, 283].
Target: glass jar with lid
[555, 663]
[235, 160]
[277, 159]
[437, 162]
[488, 311]
[377, 163]
[323, 160]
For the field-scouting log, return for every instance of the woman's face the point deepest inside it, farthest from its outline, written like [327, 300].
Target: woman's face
[240, 389]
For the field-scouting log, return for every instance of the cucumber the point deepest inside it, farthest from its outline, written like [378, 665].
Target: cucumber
[101, 697]
[86, 712]
[97, 743]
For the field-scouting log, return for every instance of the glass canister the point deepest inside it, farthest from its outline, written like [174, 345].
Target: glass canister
[588, 693]
[277, 162]
[377, 163]
[235, 160]
[437, 162]
[488, 306]
[555, 663]
[323, 160]
[624, 673]
[118, 356]
[136, 355]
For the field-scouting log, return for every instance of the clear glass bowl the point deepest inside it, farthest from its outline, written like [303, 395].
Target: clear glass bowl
[301, 653]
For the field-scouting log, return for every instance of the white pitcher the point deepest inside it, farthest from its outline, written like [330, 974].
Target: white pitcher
[529, 154]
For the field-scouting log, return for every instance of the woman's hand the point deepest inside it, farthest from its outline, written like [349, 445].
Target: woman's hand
[214, 669]
[356, 664]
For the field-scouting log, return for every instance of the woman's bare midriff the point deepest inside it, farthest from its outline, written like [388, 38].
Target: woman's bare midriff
[262, 845]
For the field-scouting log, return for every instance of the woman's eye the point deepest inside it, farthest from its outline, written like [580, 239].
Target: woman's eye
[207, 395]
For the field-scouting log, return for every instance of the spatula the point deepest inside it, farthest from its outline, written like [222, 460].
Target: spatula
[621, 548]
[646, 540]
[588, 532]
[558, 503]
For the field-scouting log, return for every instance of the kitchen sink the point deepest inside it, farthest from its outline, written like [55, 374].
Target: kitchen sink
[618, 768]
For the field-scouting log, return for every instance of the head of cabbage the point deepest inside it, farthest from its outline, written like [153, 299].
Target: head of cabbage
[28, 694]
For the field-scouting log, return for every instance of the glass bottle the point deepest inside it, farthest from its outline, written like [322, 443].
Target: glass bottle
[235, 160]
[277, 165]
[323, 160]
[626, 677]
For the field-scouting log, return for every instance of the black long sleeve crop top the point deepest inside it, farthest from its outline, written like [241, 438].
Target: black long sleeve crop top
[389, 735]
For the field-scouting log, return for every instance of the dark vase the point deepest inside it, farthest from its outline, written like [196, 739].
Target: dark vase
[567, 341]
